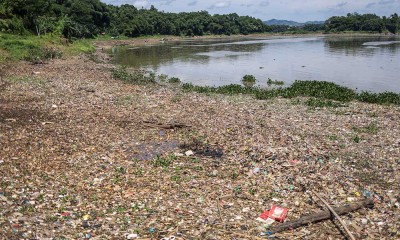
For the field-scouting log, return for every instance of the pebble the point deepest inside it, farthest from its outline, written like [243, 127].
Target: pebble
[132, 236]
[364, 221]
[215, 172]
[189, 153]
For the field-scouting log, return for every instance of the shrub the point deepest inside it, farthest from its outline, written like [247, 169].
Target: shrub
[249, 78]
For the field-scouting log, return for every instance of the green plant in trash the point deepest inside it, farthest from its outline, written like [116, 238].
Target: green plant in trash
[176, 178]
[356, 139]
[162, 77]
[163, 161]
[135, 77]
[237, 190]
[371, 128]
[174, 80]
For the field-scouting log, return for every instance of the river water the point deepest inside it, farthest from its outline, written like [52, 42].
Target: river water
[370, 63]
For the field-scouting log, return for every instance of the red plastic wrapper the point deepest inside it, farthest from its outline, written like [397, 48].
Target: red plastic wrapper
[276, 213]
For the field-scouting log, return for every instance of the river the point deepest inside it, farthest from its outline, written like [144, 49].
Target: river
[364, 63]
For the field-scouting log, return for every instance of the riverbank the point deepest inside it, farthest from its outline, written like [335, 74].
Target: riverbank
[84, 155]
[107, 43]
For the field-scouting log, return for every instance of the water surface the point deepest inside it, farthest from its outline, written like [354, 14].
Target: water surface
[370, 63]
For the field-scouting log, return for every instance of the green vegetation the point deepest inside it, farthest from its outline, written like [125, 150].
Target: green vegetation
[27, 48]
[372, 128]
[18, 79]
[174, 80]
[275, 82]
[164, 161]
[61, 26]
[363, 22]
[249, 78]
[380, 98]
[39, 49]
[76, 19]
[135, 77]
[352, 22]
[323, 94]
[356, 139]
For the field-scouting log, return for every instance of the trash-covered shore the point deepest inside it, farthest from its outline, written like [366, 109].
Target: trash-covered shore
[85, 156]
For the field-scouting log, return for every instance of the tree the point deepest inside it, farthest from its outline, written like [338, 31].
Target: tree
[392, 24]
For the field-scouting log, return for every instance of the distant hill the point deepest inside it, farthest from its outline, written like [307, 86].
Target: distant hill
[290, 23]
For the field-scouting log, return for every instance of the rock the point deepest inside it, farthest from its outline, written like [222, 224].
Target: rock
[132, 236]
[189, 153]
[364, 221]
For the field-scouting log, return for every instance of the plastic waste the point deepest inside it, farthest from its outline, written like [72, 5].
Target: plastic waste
[275, 213]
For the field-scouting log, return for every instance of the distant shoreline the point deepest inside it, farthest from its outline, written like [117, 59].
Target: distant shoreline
[151, 40]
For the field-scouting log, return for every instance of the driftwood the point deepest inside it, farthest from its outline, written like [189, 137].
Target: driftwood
[336, 215]
[164, 126]
[320, 216]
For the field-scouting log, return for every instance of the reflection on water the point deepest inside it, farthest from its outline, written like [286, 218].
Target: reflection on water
[365, 63]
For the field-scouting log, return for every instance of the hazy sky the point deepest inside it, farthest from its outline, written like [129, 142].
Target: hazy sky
[298, 10]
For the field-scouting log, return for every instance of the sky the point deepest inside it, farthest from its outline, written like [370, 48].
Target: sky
[297, 10]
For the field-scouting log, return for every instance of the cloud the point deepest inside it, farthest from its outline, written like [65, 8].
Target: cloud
[224, 4]
[381, 3]
[167, 3]
[141, 3]
[246, 5]
[341, 5]
[194, 3]
[263, 3]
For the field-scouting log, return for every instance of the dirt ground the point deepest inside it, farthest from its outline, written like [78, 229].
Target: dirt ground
[85, 156]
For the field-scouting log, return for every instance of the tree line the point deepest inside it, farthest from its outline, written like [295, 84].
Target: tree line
[351, 22]
[89, 18]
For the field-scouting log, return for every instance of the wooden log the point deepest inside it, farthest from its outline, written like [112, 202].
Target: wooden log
[320, 216]
[336, 215]
[164, 126]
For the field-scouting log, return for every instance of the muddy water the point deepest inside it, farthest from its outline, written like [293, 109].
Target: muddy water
[369, 63]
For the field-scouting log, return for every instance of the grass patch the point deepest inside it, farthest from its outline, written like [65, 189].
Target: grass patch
[38, 49]
[372, 128]
[80, 46]
[26, 79]
[125, 100]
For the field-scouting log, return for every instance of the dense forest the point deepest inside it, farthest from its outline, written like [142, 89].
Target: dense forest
[89, 18]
